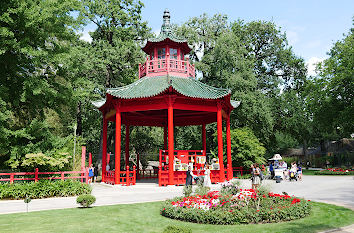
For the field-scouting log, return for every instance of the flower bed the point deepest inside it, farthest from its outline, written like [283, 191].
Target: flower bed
[335, 171]
[247, 206]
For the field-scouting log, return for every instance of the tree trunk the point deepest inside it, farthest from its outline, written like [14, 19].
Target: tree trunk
[79, 119]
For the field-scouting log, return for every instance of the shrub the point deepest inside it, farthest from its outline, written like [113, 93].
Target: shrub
[86, 200]
[43, 189]
[176, 229]
[245, 207]
[230, 187]
[187, 190]
[201, 190]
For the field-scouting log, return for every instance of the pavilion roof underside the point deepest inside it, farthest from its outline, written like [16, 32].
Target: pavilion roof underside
[159, 117]
[153, 86]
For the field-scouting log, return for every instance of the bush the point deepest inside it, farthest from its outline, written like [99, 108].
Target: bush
[244, 208]
[230, 187]
[201, 190]
[187, 190]
[86, 200]
[43, 189]
[176, 229]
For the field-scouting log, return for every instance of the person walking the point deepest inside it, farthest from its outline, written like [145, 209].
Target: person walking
[189, 177]
[91, 171]
[207, 180]
[256, 180]
[95, 173]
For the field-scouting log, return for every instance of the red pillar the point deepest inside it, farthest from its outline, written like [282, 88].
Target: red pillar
[104, 148]
[228, 142]
[127, 145]
[204, 138]
[90, 159]
[118, 149]
[170, 142]
[83, 158]
[165, 138]
[220, 144]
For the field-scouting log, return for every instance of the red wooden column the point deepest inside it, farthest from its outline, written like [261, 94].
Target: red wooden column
[90, 159]
[127, 145]
[220, 143]
[118, 149]
[165, 138]
[204, 138]
[228, 149]
[104, 148]
[170, 142]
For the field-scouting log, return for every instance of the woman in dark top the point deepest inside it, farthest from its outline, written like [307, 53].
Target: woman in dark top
[95, 173]
[190, 176]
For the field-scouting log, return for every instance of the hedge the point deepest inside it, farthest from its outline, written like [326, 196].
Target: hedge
[43, 189]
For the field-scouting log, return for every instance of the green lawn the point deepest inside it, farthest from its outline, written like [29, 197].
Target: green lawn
[146, 218]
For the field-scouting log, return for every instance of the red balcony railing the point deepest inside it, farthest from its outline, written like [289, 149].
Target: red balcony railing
[159, 67]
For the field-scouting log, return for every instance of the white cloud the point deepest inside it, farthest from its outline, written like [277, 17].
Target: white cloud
[311, 65]
[86, 36]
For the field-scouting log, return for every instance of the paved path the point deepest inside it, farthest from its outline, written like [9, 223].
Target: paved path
[329, 189]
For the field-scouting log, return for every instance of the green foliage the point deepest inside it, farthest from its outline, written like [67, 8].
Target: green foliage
[177, 229]
[43, 189]
[230, 187]
[270, 210]
[246, 148]
[201, 190]
[331, 93]
[187, 190]
[86, 200]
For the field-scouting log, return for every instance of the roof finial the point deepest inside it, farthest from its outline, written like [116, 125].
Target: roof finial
[165, 28]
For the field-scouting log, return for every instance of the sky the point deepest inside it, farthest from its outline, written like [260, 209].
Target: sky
[312, 26]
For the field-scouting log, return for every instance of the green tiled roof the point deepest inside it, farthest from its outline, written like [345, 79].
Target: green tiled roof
[152, 86]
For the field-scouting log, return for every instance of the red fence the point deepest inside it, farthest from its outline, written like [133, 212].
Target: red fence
[35, 176]
[126, 177]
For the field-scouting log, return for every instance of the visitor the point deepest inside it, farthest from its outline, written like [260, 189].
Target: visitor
[256, 180]
[91, 171]
[284, 166]
[271, 170]
[190, 176]
[299, 172]
[108, 167]
[207, 180]
[95, 173]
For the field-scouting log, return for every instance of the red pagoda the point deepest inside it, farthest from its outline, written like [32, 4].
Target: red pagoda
[167, 95]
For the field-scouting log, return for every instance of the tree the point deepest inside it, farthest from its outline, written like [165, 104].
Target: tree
[35, 34]
[331, 94]
[246, 148]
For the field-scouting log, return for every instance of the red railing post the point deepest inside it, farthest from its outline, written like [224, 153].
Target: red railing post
[241, 171]
[11, 178]
[127, 175]
[86, 175]
[160, 175]
[62, 176]
[139, 70]
[36, 175]
[147, 65]
[134, 175]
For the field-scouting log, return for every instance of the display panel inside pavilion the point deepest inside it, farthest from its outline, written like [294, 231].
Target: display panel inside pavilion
[167, 95]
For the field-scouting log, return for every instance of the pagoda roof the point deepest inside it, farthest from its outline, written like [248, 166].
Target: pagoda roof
[153, 86]
[167, 34]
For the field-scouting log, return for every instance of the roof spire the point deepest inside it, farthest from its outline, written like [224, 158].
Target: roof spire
[165, 28]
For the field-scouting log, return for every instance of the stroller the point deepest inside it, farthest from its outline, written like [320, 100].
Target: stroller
[292, 175]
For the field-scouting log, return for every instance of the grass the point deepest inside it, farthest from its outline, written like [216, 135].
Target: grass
[145, 217]
[308, 172]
